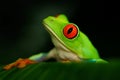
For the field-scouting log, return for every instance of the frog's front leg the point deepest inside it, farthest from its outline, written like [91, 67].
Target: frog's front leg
[44, 56]
[20, 63]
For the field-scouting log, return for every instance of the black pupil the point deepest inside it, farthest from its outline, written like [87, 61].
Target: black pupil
[70, 30]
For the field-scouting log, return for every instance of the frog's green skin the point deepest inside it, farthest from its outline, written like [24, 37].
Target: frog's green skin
[77, 49]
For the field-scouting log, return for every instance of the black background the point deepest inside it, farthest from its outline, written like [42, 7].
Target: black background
[22, 34]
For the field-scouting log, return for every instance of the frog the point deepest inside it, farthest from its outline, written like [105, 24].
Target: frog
[70, 44]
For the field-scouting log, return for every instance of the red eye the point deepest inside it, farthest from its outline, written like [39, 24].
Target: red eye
[70, 31]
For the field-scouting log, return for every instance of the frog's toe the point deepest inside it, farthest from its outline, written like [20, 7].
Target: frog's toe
[25, 62]
[20, 63]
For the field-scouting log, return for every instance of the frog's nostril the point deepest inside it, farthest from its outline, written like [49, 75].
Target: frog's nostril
[51, 20]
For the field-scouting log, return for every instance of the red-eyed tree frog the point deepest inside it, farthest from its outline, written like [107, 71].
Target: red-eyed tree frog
[71, 44]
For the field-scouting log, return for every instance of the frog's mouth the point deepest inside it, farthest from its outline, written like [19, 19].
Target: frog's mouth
[58, 42]
[51, 32]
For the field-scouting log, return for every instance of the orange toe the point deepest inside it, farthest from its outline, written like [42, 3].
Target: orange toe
[20, 63]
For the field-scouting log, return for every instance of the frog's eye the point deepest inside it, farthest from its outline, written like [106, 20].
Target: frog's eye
[70, 31]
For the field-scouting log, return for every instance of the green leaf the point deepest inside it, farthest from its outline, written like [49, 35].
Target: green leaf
[63, 71]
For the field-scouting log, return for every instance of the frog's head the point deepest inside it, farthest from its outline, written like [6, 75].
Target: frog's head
[69, 35]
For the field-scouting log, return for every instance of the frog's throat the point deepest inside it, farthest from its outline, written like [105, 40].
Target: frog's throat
[55, 36]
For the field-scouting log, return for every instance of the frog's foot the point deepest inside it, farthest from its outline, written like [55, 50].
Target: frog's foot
[66, 61]
[20, 63]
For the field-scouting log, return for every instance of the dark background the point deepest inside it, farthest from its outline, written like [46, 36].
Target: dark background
[22, 33]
